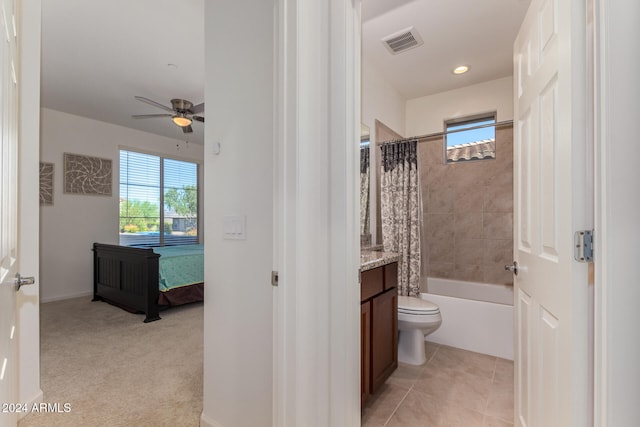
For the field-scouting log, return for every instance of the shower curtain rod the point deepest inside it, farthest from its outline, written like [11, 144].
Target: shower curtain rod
[433, 135]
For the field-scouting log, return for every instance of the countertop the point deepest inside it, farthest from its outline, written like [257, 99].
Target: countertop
[372, 259]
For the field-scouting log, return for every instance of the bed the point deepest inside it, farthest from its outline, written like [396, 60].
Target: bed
[148, 279]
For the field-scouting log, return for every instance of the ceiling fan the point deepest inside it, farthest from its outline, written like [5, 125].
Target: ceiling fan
[182, 112]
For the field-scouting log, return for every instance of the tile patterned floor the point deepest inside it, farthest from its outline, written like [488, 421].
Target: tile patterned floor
[455, 388]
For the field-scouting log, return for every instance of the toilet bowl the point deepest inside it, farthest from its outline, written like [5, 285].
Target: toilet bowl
[416, 318]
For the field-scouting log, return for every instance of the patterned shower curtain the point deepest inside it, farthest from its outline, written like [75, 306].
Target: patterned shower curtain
[364, 191]
[400, 211]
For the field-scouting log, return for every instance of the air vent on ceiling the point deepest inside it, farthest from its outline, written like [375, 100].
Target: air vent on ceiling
[402, 40]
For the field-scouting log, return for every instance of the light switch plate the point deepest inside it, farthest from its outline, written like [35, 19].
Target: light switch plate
[234, 227]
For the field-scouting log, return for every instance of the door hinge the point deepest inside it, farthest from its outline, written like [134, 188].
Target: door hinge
[583, 246]
[274, 278]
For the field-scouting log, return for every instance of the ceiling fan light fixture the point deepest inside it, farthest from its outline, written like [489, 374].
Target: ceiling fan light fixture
[181, 120]
[180, 112]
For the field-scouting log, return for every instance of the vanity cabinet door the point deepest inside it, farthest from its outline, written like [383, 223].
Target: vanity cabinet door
[365, 352]
[384, 342]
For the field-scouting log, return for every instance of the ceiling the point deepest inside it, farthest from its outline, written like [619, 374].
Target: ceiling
[97, 55]
[476, 33]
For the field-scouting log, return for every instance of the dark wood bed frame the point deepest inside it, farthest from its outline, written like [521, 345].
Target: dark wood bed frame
[127, 277]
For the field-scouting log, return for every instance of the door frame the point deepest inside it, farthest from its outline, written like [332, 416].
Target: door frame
[616, 93]
[316, 333]
[28, 299]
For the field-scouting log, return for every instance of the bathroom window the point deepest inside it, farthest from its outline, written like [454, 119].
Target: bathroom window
[158, 200]
[471, 138]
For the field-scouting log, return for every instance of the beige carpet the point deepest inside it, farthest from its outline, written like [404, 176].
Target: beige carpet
[115, 370]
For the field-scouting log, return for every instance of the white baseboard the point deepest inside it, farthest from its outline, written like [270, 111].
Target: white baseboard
[207, 422]
[38, 398]
[66, 296]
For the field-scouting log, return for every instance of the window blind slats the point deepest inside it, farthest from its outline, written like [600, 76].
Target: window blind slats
[143, 192]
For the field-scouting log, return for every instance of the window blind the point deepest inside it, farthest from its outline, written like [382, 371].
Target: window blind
[158, 200]
[180, 189]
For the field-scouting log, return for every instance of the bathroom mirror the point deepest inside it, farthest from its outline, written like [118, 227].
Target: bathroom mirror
[365, 215]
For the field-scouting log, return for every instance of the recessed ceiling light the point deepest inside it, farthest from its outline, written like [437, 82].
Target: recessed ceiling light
[461, 69]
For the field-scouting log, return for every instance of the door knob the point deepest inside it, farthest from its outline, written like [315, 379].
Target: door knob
[21, 281]
[512, 268]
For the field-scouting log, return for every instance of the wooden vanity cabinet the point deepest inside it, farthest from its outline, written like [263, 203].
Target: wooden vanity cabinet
[365, 352]
[379, 327]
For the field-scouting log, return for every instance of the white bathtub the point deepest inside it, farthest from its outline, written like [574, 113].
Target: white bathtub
[475, 316]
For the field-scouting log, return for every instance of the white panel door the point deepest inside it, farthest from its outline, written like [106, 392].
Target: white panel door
[8, 211]
[550, 287]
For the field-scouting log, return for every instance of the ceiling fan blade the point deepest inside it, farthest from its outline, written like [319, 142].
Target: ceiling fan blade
[198, 118]
[146, 116]
[154, 103]
[197, 108]
[187, 129]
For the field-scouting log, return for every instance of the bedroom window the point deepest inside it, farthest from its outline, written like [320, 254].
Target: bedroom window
[158, 200]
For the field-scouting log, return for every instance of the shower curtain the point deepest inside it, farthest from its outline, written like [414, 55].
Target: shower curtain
[364, 191]
[400, 210]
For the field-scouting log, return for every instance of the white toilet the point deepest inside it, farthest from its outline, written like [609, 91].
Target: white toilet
[416, 318]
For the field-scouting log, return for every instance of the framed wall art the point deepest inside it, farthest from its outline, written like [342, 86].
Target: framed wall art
[87, 175]
[46, 183]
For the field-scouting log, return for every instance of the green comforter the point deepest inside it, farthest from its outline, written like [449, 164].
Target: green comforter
[180, 266]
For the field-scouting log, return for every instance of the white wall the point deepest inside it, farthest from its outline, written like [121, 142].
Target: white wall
[380, 101]
[74, 222]
[426, 115]
[238, 333]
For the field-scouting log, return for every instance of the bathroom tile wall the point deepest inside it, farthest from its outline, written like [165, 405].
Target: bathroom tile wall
[468, 213]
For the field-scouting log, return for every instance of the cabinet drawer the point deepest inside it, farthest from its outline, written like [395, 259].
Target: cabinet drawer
[391, 276]
[371, 283]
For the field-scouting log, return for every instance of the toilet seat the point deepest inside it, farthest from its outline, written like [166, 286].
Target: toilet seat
[416, 306]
